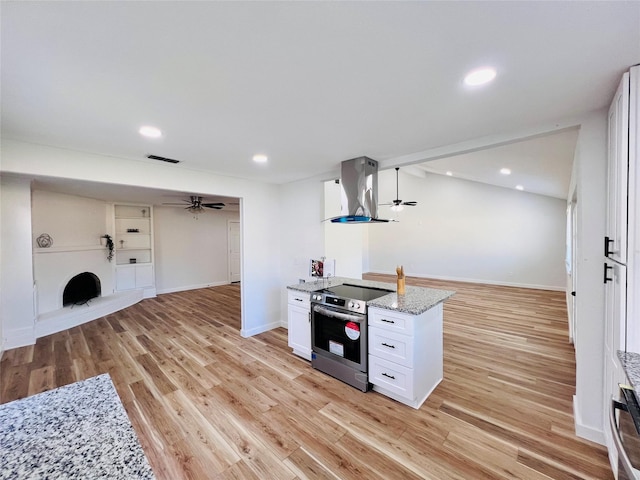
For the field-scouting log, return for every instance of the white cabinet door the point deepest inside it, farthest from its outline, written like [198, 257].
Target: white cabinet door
[144, 276]
[299, 318]
[129, 277]
[125, 278]
[617, 173]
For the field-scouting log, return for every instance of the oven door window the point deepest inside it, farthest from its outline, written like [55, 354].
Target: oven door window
[338, 333]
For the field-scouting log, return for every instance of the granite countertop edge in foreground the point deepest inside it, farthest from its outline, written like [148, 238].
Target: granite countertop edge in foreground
[631, 364]
[416, 300]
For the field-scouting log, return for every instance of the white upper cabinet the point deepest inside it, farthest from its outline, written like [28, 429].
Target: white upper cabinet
[617, 175]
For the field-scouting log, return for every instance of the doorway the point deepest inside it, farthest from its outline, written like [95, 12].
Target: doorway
[233, 239]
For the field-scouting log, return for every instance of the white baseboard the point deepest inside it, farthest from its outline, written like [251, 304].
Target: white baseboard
[589, 433]
[261, 329]
[190, 287]
[476, 280]
[19, 337]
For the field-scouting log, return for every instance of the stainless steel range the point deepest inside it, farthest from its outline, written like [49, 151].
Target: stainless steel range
[339, 332]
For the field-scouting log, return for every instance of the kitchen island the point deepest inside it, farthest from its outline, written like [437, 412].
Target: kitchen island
[414, 301]
[404, 335]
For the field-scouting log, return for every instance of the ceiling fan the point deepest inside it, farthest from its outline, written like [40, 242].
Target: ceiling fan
[397, 205]
[196, 205]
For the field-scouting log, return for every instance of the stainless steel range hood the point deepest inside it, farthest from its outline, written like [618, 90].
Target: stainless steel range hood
[359, 191]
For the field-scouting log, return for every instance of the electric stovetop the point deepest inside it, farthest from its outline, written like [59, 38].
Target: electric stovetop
[355, 292]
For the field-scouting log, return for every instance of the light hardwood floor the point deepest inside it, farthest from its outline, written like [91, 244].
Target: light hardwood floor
[209, 404]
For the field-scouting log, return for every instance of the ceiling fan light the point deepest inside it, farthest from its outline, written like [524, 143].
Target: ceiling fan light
[397, 208]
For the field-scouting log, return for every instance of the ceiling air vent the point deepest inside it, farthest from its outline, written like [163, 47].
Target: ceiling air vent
[163, 159]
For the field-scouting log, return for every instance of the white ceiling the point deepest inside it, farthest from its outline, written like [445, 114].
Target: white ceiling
[310, 84]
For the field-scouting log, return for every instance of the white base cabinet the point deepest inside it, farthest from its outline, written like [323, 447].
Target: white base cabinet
[129, 277]
[299, 319]
[405, 354]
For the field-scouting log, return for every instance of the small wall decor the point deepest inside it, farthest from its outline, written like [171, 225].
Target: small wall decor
[44, 240]
[109, 244]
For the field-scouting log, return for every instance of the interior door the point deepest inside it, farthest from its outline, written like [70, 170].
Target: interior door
[233, 236]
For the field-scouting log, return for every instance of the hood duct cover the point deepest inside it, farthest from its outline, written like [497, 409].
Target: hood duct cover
[359, 191]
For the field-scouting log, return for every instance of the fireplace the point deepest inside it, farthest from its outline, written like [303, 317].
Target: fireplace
[80, 289]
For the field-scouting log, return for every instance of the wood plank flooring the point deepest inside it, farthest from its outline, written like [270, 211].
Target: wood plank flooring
[209, 404]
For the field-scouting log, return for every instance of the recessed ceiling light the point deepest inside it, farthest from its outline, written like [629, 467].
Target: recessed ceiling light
[505, 171]
[519, 187]
[449, 173]
[479, 76]
[150, 132]
[260, 158]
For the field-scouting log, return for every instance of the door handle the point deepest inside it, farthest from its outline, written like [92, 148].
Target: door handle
[607, 241]
[606, 272]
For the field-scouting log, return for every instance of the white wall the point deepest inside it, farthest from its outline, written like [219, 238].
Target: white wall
[75, 224]
[190, 252]
[261, 276]
[590, 180]
[301, 230]
[343, 242]
[469, 231]
[16, 279]
[71, 220]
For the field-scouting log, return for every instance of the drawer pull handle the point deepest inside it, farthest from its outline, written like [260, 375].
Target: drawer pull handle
[387, 345]
[299, 300]
[386, 321]
[389, 376]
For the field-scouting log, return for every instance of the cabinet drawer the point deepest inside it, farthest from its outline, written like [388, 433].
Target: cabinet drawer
[391, 376]
[299, 298]
[391, 321]
[391, 346]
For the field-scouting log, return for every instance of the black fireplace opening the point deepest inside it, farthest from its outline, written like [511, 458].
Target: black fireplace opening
[80, 289]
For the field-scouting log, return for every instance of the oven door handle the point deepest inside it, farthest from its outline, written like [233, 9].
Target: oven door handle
[623, 459]
[339, 315]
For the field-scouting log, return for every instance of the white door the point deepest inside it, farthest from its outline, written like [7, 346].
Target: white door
[574, 261]
[233, 236]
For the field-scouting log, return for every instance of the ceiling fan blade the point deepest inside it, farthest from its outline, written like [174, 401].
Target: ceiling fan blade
[411, 204]
[213, 205]
[180, 204]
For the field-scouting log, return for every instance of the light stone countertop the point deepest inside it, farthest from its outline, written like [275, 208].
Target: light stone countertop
[631, 364]
[78, 431]
[416, 300]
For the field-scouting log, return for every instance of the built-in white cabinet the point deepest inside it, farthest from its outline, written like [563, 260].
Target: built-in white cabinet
[299, 319]
[405, 353]
[134, 248]
[617, 173]
[621, 264]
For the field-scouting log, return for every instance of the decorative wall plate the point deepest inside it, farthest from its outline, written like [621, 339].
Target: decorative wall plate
[44, 240]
